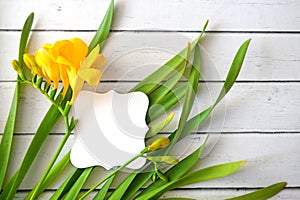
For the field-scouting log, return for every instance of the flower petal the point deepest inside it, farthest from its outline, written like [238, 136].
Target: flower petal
[90, 59]
[77, 87]
[91, 76]
[99, 62]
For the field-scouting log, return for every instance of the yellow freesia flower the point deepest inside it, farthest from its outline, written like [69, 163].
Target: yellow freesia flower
[67, 60]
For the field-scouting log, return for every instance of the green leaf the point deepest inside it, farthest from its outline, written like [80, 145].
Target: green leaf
[51, 117]
[167, 86]
[121, 189]
[24, 38]
[67, 184]
[262, 194]
[103, 191]
[158, 125]
[73, 193]
[166, 103]
[234, 70]
[189, 97]
[49, 120]
[54, 173]
[209, 173]
[232, 75]
[152, 81]
[6, 141]
[104, 28]
[7, 137]
[140, 180]
[178, 170]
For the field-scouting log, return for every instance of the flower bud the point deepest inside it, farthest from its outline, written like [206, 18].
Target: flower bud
[171, 160]
[29, 60]
[160, 143]
[15, 65]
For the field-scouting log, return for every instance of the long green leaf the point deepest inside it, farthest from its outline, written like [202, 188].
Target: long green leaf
[103, 191]
[140, 180]
[67, 184]
[262, 194]
[189, 97]
[104, 28]
[167, 86]
[119, 192]
[232, 75]
[49, 120]
[152, 81]
[54, 173]
[166, 103]
[24, 39]
[178, 170]
[6, 141]
[234, 70]
[209, 173]
[7, 137]
[73, 193]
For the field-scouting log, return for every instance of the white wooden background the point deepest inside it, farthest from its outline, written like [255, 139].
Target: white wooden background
[262, 123]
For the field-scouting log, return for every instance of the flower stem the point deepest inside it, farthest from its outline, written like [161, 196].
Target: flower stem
[114, 172]
[54, 158]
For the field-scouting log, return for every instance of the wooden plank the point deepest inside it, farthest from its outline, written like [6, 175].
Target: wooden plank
[262, 107]
[270, 158]
[132, 56]
[156, 15]
[211, 194]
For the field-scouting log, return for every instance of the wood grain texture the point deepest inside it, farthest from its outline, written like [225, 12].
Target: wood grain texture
[258, 107]
[270, 158]
[259, 118]
[241, 15]
[205, 194]
[132, 56]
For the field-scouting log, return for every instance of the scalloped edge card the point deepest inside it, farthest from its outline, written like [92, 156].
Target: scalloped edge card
[111, 129]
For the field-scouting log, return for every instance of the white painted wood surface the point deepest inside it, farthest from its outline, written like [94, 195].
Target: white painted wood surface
[262, 122]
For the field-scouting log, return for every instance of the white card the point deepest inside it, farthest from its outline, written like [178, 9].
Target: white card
[111, 129]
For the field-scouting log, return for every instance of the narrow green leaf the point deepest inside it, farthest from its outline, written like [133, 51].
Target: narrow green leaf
[104, 28]
[7, 137]
[232, 75]
[178, 170]
[54, 173]
[209, 173]
[24, 38]
[103, 191]
[6, 141]
[67, 184]
[121, 189]
[156, 126]
[49, 120]
[166, 87]
[166, 103]
[73, 193]
[189, 97]
[234, 70]
[51, 117]
[262, 194]
[140, 180]
[152, 81]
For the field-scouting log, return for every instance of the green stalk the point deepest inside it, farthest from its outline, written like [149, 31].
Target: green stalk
[54, 158]
[113, 173]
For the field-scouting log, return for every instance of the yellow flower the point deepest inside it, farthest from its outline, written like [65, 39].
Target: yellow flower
[67, 60]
